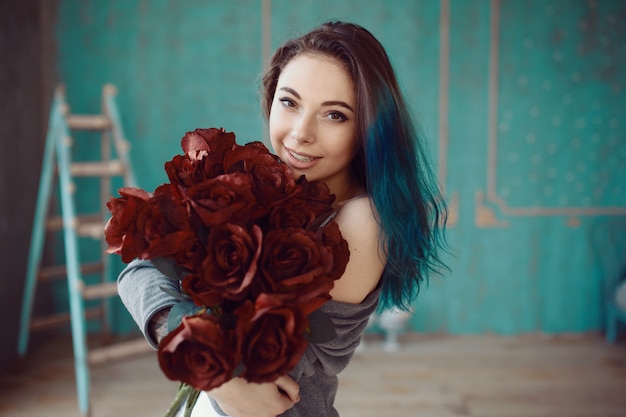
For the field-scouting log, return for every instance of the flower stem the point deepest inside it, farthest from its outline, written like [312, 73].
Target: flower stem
[191, 402]
[183, 392]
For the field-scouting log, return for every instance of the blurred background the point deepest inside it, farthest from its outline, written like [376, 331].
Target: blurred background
[522, 103]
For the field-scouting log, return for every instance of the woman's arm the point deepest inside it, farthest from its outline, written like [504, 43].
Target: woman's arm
[139, 287]
[157, 325]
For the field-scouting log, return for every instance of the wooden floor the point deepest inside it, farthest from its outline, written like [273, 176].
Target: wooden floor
[431, 376]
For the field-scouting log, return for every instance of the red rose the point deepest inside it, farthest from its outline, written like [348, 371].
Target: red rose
[298, 212]
[202, 293]
[198, 353]
[239, 157]
[316, 195]
[226, 198]
[166, 226]
[293, 256]
[314, 294]
[173, 208]
[204, 150]
[213, 141]
[121, 229]
[184, 172]
[338, 246]
[273, 180]
[307, 207]
[190, 251]
[231, 261]
[272, 341]
[294, 263]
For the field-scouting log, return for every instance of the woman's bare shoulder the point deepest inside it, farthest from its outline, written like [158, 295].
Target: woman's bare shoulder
[359, 226]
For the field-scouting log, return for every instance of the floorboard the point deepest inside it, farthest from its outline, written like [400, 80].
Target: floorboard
[429, 376]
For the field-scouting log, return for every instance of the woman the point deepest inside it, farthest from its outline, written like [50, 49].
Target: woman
[336, 114]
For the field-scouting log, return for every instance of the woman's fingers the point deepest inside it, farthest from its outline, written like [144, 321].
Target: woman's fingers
[289, 387]
[239, 398]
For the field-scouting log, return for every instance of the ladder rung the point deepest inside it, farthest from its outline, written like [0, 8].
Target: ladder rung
[59, 319]
[97, 169]
[88, 122]
[88, 225]
[95, 291]
[118, 350]
[94, 230]
[49, 273]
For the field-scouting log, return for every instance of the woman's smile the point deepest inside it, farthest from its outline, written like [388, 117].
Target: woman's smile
[300, 158]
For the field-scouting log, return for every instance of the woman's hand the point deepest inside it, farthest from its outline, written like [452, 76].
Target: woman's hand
[157, 326]
[240, 398]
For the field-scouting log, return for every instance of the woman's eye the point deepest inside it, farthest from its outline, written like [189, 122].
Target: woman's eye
[287, 102]
[337, 116]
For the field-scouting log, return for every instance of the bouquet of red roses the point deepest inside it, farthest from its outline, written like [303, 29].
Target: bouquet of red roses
[243, 237]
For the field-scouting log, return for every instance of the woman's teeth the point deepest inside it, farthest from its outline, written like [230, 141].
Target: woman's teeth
[301, 158]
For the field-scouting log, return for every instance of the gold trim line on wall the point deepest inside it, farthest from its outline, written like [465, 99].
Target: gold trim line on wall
[485, 216]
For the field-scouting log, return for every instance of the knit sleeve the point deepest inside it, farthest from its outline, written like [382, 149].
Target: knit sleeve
[350, 321]
[139, 287]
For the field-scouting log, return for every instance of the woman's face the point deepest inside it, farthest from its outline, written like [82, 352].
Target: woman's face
[312, 121]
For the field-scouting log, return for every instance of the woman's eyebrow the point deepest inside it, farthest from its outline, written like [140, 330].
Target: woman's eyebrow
[290, 91]
[326, 103]
[338, 103]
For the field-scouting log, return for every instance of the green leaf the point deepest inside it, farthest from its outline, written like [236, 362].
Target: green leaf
[167, 267]
[321, 327]
[179, 296]
[180, 310]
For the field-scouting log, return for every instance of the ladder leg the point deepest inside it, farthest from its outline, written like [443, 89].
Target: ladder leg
[79, 341]
[77, 310]
[38, 230]
[119, 139]
[105, 193]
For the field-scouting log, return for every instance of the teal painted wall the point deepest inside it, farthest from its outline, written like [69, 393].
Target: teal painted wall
[522, 102]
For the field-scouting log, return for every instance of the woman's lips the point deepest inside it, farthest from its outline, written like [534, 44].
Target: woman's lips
[299, 157]
[298, 160]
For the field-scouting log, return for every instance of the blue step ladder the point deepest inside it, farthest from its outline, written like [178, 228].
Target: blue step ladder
[59, 172]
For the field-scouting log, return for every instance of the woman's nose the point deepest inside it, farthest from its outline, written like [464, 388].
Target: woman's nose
[303, 130]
